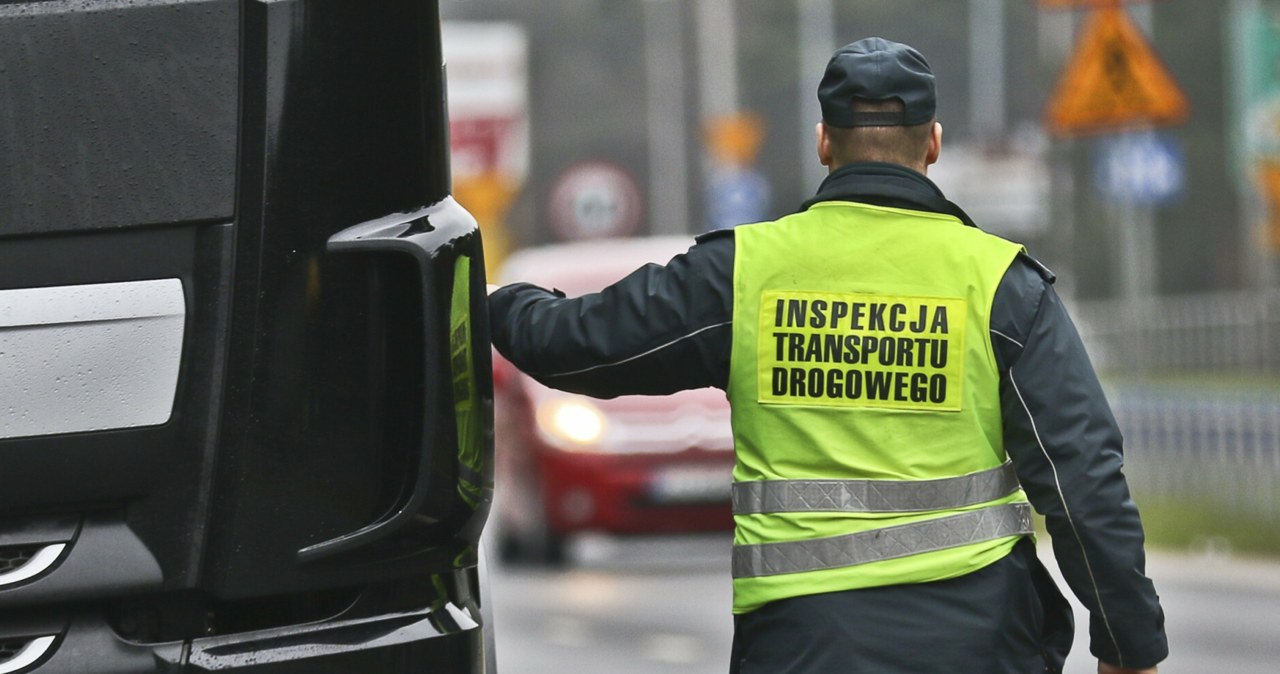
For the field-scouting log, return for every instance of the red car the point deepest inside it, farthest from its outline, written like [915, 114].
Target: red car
[568, 464]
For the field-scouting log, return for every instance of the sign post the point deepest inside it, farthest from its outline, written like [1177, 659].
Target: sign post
[1115, 82]
[1135, 172]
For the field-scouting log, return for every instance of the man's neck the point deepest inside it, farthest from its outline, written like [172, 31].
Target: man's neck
[921, 168]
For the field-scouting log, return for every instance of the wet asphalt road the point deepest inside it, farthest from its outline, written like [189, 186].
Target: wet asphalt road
[661, 606]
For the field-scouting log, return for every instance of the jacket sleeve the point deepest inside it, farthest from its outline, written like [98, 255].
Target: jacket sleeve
[1067, 450]
[663, 328]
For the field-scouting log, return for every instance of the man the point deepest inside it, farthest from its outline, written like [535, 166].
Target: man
[897, 379]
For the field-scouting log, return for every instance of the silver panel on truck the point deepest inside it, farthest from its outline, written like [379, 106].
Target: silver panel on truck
[89, 357]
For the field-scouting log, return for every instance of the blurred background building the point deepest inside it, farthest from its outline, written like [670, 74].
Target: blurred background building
[639, 117]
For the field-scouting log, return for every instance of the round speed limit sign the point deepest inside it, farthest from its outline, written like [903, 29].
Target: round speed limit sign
[594, 200]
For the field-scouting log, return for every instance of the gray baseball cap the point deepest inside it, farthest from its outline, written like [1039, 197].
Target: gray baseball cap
[877, 69]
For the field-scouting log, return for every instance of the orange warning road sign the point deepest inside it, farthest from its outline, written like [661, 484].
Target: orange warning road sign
[735, 139]
[1115, 81]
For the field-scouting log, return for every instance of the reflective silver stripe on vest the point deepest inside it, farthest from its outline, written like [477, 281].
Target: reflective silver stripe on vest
[817, 554]
[783, 496]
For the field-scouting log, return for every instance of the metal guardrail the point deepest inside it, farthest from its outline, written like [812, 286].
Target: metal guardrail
[1218, 447]
[1195, 385]
[1232, 332]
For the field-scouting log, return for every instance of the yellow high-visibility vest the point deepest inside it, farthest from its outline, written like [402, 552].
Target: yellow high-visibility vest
[866, 406]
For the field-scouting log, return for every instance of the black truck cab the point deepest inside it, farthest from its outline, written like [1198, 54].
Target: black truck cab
[245, 389]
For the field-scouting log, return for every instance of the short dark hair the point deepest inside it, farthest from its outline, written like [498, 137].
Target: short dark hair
[902, 145]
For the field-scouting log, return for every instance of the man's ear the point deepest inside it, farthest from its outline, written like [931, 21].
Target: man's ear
[935, 144]
[824, 145]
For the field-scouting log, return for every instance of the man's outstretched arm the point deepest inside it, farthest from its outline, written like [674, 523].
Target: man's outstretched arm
[662, 329]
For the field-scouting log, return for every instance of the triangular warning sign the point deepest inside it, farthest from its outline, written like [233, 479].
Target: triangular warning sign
[1114, 81]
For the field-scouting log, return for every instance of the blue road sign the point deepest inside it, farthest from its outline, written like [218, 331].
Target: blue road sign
[1144, 168]
[736, 196]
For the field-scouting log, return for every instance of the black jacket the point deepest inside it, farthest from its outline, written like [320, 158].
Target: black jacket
[668, 328]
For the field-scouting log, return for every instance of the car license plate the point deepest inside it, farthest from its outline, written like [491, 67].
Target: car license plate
[692, 485]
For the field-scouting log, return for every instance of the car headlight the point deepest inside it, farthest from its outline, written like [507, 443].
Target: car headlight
[572, 423]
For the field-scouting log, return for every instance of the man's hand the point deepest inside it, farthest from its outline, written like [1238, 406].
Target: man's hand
[1104, 668]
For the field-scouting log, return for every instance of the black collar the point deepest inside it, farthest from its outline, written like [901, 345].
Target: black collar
[889, 185]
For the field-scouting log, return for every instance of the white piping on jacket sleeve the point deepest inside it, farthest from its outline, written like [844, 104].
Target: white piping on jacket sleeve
[1063, 499]
[638, 356]
[1001, 334]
